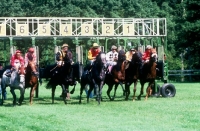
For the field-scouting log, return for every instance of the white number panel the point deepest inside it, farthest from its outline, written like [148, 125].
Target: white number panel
[44, 30]
[107, 29]
[128, 29]
[2, 29]
[87, 29]
[66, 29]
[22, 29]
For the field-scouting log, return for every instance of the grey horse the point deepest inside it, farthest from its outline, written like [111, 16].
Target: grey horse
[15, 81]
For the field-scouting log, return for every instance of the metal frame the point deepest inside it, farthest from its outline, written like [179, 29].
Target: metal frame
[81, 27]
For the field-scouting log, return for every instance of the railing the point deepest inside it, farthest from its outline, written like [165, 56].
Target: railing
[184, 75]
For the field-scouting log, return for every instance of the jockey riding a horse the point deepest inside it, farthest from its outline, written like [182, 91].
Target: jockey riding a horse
[64, 56]
[111, 58]
[146, 55]
[92, 53]
[31, 59]
[17, 62]
[129, 55]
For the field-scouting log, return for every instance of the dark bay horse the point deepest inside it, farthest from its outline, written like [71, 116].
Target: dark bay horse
[16, 80]
[31, 80]
[60, 76]
[148, 74]
[117, 75]
[132, 73]
[95, 79]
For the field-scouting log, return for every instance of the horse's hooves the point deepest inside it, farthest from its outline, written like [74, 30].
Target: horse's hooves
[112, 99]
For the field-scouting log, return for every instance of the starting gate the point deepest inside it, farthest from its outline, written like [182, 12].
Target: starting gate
[89, 28]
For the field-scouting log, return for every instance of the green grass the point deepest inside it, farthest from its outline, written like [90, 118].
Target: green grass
[180, 113]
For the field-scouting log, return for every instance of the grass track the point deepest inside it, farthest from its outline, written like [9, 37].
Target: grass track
[181, 113]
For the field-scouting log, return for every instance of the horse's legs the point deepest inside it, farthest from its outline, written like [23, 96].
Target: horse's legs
[98, 93]
[142, 90]
[149, 90]
[21, 95]
[83, 86]
[127, 89]
[110, 86]
[67, 90]
[134, 89]
[116, 85]
[64, 93]
[32, 94]
[89, 91]
[14, 95]
[53, 93]
[72, 91]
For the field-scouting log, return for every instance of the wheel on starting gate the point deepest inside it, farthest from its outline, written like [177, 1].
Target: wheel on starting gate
[168, 90]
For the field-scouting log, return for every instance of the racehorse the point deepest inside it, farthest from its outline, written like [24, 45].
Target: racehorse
[132, 73]
[15, 80]
[117, 75]
[31, 80]
[95, 78]
[148, 74]
[60, 77]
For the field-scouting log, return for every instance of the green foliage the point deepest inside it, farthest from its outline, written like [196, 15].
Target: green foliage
[183, 21]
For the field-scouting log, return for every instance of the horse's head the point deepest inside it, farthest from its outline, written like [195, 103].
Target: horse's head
[101, 59]
[154, 55]
[121, 55]
[136, 57]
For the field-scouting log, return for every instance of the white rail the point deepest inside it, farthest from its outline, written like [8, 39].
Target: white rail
[81, 27]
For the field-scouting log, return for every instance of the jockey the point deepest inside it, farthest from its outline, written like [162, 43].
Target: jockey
[112, 57]
[146, 54]
[93, 52]
[63, 56]
[130, 53]
[17, 61]
[31, 59]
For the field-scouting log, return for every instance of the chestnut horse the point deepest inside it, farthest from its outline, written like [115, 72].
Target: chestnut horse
[117, 75]
[31, 80]
[148, 74]
[132, 73]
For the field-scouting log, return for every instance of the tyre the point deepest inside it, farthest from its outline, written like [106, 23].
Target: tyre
[168, 90]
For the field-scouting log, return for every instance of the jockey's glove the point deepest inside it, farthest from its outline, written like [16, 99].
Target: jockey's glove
[146, 61]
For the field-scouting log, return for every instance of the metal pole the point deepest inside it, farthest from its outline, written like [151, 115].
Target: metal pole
[106, 45]
[5, 53]
[76, 42]
[55, 41]
[125, 43]
[33, 41]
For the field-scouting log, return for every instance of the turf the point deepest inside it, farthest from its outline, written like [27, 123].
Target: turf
[179, 113]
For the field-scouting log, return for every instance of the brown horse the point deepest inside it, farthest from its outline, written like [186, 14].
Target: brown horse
[148, 74]
[31, 80]
[132, 73]
[117, 75]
